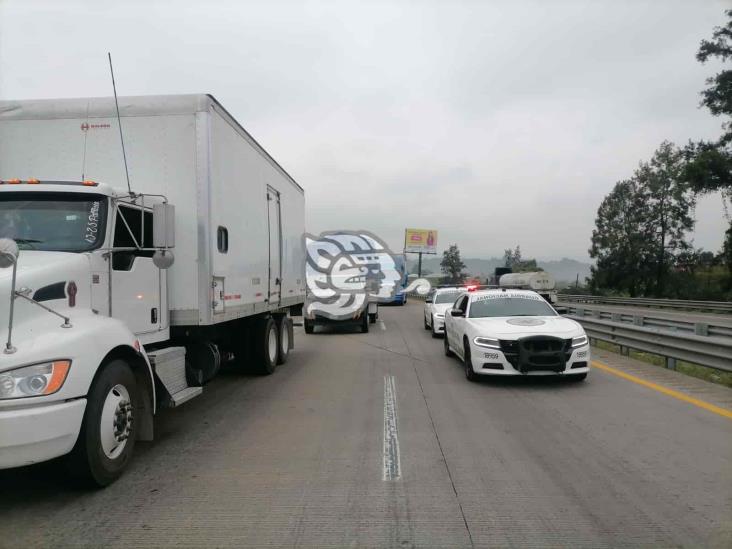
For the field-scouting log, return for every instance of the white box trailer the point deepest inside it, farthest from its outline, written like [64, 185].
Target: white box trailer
[238, 264]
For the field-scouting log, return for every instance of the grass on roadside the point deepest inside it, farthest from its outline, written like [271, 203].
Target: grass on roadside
[695, 370]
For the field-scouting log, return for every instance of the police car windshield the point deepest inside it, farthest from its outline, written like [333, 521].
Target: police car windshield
[490, 306]
[446, 297]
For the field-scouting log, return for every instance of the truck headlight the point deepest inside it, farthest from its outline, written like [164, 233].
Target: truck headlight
[35, 380]
[487, 342]
[439, 315]
[579, 341]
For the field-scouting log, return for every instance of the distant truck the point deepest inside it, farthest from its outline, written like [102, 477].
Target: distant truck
[101, 324]
[541, 282]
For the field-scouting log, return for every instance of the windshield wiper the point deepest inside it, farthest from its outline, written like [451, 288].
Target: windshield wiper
[29, 241]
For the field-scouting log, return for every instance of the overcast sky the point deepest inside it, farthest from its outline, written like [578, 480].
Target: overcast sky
[497, 122]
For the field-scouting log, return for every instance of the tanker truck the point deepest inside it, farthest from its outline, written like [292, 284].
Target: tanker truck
[120, 297]
[541, 282]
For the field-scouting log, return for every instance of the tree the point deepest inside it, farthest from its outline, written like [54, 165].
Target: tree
[513, 260]
[718, 96]
[669, 202]
[452, 266]
[620, 242]
[709, 165]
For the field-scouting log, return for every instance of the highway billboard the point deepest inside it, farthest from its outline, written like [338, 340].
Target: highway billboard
[420, 241]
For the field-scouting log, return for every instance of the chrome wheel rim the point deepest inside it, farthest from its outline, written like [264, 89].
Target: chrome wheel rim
[116, 421]
[272, 344]
[284, 340]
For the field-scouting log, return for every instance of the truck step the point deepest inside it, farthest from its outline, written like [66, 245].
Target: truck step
[170, 367]
[184, 396]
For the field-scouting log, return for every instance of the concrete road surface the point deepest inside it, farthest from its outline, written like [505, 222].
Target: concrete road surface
[378, 440]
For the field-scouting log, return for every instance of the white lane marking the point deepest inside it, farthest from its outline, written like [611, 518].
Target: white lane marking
[392, 463]
[382, 325]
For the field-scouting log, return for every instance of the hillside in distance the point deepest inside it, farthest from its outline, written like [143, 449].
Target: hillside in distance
[564, 270]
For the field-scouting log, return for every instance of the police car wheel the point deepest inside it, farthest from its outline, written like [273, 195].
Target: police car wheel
[469, 372]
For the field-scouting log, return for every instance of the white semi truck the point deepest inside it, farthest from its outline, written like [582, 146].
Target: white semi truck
[116, 301]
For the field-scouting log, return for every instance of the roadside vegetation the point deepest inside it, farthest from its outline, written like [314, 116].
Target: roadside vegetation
[640, 243]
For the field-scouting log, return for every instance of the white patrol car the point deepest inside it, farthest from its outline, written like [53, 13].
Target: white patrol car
[514, 332]
[435, 307]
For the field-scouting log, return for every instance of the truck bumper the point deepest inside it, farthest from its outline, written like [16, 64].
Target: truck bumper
[39, 433]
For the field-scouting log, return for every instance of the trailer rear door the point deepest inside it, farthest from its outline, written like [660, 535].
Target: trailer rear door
[275, 245]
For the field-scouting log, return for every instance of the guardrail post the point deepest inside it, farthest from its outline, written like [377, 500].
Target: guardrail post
[616, 317]
[625, 351]
[670, 363]
[638, 320]
[580, 311]
[701, 329]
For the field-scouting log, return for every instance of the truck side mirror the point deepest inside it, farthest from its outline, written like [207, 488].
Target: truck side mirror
[8, 252]
[428, 300]
[164, 226]
[457, 312]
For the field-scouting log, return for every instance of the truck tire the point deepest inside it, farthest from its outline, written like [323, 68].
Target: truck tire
[284, 328]
[364, 323]
[309, 325]
[372, 318]
[266, 346]
[108, 430]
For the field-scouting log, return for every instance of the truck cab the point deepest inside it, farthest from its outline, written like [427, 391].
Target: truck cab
[80, 290]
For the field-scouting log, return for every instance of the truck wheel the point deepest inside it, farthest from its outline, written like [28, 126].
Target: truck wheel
[266, 346]
[364, 323]
[284, 327]
[309, 325]
[108, 430]
[469, 372]
[372, 318]
[424, 319]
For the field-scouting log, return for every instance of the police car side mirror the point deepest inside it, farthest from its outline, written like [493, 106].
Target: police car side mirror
[457, 312]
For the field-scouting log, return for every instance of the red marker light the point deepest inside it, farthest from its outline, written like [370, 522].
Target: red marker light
[71, 290]
[33, 181]
[13, 181]
[89, 183]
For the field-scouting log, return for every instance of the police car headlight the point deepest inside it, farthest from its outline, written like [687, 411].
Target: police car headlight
[36, 380]
[487, 342]
[580, 341]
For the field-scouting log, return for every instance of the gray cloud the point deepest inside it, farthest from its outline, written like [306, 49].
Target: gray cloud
[497, 123]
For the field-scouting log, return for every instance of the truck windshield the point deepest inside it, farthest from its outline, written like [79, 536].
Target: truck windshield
[509, 306]
[60, 222]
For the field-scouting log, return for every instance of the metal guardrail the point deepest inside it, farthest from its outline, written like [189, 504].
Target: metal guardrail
[677, 323]
[713, 352]
[679, 304]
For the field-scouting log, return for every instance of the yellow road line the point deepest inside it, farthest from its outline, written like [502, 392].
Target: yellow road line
[724, 412]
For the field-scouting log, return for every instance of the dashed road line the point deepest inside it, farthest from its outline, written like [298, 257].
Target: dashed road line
[392, 463]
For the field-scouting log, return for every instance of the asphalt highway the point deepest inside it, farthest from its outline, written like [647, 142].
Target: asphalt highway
[378, 440]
